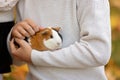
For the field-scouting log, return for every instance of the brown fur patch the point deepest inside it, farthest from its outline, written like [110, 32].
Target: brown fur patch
[37, 39]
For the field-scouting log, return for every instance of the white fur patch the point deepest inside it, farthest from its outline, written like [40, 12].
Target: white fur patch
[55, 42]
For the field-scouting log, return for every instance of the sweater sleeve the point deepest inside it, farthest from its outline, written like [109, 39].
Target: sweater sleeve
[94, 47]
[6, 5]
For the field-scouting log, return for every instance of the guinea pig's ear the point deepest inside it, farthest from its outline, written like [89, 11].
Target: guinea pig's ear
[45, 32]
[56, 28]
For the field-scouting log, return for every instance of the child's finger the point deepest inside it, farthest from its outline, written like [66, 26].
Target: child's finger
[12, 46]
[21, 42]
[32, 24]
[27, 28]
[23, 32]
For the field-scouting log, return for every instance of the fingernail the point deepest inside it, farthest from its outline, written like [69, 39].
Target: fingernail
[13, 39]
[37, 29]
[22, 37]
[32, 33]
[41, 28]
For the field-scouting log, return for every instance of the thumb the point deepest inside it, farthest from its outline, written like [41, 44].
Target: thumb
[12, 46]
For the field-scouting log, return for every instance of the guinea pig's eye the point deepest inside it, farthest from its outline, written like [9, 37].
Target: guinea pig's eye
[51, 36]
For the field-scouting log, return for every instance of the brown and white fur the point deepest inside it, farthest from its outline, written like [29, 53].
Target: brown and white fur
[46, 39]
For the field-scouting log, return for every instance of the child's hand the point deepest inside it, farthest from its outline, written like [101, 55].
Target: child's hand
[24, 29]
[23, 52]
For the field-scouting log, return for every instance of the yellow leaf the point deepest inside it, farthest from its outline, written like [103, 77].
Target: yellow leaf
[114, 21]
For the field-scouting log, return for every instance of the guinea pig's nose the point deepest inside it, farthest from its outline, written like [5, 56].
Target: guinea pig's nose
[58, 43]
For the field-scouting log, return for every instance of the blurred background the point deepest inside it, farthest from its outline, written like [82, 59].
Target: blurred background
[112, 68]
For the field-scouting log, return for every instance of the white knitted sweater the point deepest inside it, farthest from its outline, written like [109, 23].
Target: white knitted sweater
[86, 38]
[6, 10]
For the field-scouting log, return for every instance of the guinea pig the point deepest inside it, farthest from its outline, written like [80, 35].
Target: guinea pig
[46, 39]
